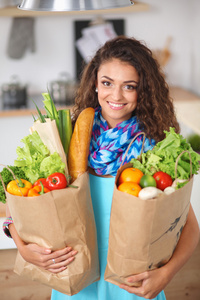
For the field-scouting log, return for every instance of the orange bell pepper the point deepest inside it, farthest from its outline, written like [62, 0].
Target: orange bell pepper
[19, 187]
[37, 191]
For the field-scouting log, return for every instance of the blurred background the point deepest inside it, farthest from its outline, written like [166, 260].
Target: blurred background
[50, 49]
[40, 51]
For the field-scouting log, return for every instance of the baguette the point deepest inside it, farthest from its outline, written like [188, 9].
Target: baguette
[80, 143]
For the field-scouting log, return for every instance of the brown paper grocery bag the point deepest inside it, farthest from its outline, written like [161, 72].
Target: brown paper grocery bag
[57, 219]
[144, 233]
[49, 135]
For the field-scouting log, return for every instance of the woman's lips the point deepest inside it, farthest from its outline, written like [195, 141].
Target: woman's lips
[116, 105]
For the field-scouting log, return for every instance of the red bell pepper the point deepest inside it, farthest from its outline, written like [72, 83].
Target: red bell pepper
[38, 182]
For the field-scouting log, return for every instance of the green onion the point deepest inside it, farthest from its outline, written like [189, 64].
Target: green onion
[50, 108]
[33, 117]
[62, 118]
[41, 117]
[65, 128]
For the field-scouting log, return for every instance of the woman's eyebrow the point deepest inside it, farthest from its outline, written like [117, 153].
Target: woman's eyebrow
[127, 81]
[107, 77]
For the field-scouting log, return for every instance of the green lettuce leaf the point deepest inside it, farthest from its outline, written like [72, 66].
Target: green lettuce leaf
[164, 155]
[31, 156]
[51, 164]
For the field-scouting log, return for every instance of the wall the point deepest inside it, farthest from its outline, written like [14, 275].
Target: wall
[179, 19]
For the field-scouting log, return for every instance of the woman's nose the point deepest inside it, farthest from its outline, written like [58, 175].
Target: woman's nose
[117, 93]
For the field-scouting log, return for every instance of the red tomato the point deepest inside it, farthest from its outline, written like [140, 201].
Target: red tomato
[163, 180]
[43, 180]
[56, 181]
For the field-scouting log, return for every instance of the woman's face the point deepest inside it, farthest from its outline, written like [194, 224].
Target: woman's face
[117, 82]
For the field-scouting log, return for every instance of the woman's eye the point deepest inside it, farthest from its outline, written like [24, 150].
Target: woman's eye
[130, 87]
[106, 83]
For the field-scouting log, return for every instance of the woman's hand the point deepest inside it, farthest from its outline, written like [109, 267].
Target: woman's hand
[55, 262]
[151, 283]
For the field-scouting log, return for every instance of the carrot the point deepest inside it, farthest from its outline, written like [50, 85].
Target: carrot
[80, 143]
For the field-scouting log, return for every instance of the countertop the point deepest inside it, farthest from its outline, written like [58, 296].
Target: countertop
[29, 109]
[187, 106]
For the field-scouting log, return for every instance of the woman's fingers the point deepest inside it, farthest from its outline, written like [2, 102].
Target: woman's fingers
[58, 260]
[61, 266]
[38, 249]
[55, 271]
[63, 260]
[60, 253]
[55, 262]
[138, 277]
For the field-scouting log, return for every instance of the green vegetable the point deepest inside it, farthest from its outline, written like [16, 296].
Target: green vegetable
[7, 177]
[41, 116]
[50, 164]
[147, 180]
[50, 108]
[65, 128]
[62, 118]
[194, 140]
[163, 157]
[32, 155]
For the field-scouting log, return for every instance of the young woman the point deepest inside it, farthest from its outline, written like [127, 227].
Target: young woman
[128, 91]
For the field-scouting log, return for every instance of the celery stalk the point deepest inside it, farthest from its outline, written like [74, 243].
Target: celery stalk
[65, 128]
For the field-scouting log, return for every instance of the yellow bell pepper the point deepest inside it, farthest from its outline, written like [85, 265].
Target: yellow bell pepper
[19, 187]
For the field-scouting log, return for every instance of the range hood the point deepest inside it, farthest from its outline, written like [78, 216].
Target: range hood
[72, 5]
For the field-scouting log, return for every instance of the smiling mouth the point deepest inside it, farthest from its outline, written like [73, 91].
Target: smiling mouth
[116, 105]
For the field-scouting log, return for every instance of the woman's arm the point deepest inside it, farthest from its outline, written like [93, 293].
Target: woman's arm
[153, 282]
[54, 262]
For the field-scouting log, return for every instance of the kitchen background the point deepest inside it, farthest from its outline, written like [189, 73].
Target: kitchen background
[54, 49]
[50, 55]
[51, 51]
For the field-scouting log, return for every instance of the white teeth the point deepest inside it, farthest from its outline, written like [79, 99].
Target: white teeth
[115, 105]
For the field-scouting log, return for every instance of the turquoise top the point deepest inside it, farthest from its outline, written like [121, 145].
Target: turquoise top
[101, 193]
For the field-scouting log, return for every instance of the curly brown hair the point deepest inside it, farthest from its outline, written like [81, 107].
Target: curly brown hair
[154, 110]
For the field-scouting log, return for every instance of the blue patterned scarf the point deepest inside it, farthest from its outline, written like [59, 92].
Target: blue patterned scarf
[108, 146]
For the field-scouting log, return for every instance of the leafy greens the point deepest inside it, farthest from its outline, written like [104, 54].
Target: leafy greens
[163, 157]
[35, 159]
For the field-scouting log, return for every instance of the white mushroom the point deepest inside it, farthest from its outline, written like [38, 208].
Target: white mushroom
[149, 192]
[169, 190]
